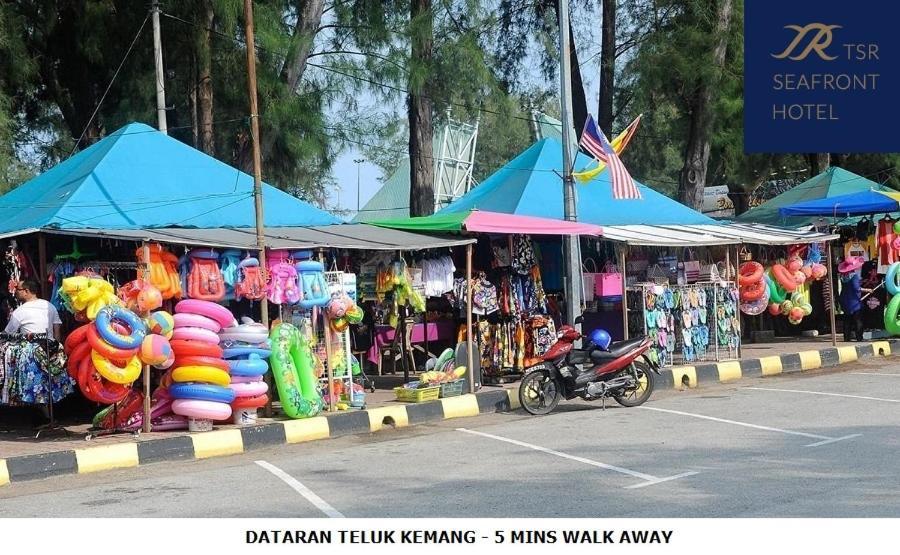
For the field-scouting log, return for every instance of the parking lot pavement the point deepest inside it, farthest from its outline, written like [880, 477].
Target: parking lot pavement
[809, 445]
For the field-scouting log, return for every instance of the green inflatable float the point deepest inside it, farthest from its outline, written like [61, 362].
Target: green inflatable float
[292, 368]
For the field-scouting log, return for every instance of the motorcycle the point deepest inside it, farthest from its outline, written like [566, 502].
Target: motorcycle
[590, 373]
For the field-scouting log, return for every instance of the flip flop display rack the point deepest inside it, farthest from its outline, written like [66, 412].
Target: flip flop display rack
[691, 323]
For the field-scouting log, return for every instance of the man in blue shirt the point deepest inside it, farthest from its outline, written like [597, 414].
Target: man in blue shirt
[851, 297]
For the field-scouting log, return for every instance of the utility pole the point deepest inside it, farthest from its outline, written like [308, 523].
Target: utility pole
[257, 157]
[158, 59]
[571, 245]
[358, 161]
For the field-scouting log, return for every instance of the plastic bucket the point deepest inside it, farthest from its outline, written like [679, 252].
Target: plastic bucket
[200, 425]
[244, 416]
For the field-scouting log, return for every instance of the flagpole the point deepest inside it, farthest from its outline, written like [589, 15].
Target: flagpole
[570, 243]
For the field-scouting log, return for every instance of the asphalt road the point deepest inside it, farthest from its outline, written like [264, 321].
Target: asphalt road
[823, 444]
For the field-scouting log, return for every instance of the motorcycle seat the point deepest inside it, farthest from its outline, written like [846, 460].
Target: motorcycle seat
[620, 348]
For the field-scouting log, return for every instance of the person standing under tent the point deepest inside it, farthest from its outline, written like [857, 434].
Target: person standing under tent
[851, 297]
[34, 315]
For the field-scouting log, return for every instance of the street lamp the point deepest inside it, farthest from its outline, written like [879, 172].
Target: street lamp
[358, 161]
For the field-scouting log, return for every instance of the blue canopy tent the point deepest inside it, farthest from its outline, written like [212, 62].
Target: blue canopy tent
[843, 206]
[139, 178]
[530, 185]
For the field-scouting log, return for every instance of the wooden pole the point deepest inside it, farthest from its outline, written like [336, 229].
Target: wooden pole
[737, 264]
[145, 275]
[830, 286]
[42, 264]
[624, 293]
[469, 332]
[257, 156]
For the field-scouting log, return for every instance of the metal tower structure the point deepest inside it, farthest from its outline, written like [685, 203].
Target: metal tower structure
[454, 155]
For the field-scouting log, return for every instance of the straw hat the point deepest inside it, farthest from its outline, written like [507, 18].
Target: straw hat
[851, 264]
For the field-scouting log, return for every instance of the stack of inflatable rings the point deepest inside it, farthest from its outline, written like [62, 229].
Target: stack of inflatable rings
[103, 354]
[201, 378]
[246, 349]
[753, 288]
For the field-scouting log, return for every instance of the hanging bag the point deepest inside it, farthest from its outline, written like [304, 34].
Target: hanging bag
[691, 267]
[609, 283]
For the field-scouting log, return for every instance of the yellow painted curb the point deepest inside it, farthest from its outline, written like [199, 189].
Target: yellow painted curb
[729, 371]
[882, 346]
[810, 360]
[847, 354]
[456, 407]
[770, 365]
[95, 459]
[297, 431]
[218, 443]
[397, 413]
[513, 395]
[678, 373]
[4, 473]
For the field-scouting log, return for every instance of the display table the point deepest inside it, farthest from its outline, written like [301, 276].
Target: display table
[441, 331]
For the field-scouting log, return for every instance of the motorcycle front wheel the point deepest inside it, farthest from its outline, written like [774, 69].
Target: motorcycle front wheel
[645, 382]
[539, 392]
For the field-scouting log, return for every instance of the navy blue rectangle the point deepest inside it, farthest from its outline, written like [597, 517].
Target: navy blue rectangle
[821, 76]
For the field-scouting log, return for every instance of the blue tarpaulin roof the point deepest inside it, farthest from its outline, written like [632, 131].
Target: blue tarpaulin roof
[139, 178]
[531, 185]
[854, 204]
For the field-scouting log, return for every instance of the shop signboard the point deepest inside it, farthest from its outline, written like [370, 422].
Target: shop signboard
[716, 202]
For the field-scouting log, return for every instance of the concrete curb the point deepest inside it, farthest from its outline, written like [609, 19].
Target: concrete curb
[681, 377]
[241, 440]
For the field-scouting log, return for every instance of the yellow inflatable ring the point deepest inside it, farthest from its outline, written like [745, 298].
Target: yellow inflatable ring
[201, 374]
[116, 374]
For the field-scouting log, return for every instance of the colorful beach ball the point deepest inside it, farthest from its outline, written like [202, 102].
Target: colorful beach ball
[155, 350]
[161, 323]
[167, 364]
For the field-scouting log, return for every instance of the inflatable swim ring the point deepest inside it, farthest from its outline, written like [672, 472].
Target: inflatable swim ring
[196, 334]
[891, 279]
[117, 374]
[137, 328]
[201, 374]
[183, 348]
[750, 272]
[202, 361]
[253, 366]
[202, 392]
[292, 369]
[189, 320]
[891, 322]
[209, 309]
[206, 410]
[784, 278]
[250, 389]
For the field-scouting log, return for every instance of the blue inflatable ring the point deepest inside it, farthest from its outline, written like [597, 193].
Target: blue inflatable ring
[253, 366]
[202, 392]
[237, 352]
[120, 314]
[890, 279]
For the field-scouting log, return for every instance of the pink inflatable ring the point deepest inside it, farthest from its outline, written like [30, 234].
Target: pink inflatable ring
[207, 410]
[251, 389]
[196, 334]
[188, 320]
[209, 309]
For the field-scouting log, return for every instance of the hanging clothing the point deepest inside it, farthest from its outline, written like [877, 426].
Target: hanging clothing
[29, 374]
[885, 237]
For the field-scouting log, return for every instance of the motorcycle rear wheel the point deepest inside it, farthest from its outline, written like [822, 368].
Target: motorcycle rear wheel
[539, 392]
[639, 395]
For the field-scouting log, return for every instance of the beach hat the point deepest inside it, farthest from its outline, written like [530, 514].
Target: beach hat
[850, 264]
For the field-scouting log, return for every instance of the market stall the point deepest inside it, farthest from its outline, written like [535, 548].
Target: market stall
[157, 278]
[516, 316]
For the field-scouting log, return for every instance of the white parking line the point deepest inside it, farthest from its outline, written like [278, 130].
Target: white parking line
[825, 439]
[649, 479]
[824, 393]
[874, 374]
[320, 503]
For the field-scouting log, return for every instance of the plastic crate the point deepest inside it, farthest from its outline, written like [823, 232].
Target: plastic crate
[452, 389]
[417, 395]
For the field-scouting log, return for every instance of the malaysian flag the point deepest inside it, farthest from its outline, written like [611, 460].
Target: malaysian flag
[594, 141]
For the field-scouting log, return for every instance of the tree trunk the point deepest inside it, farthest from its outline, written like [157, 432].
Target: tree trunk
[607, 68]
[692, 179]
[740, 194]
[818, 162]
[309, 18]
[204, 80]
[421, 132]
